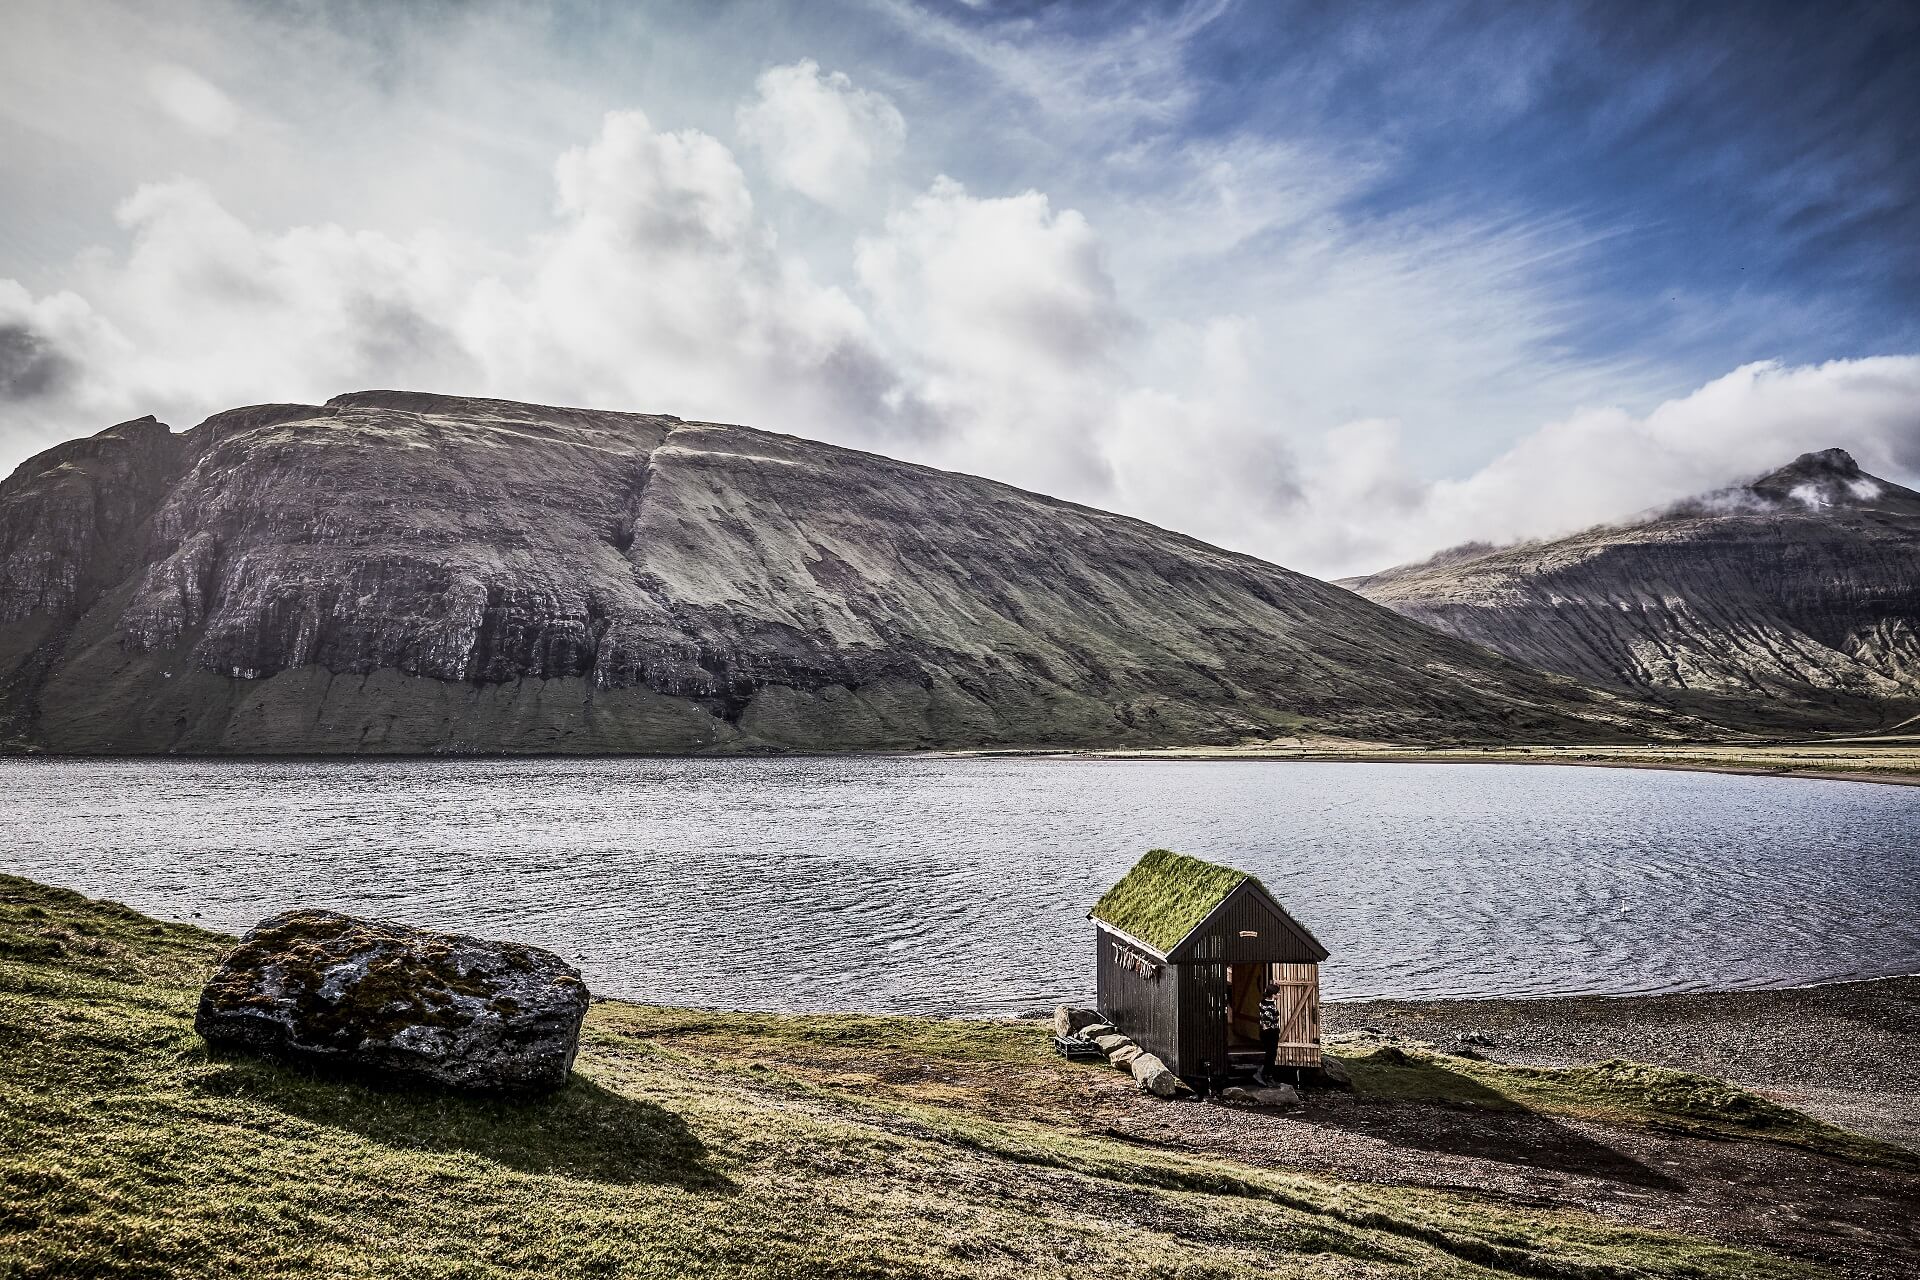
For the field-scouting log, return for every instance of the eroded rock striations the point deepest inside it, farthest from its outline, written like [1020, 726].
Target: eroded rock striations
[397, 1001]
[399, 572]
[1789, 604]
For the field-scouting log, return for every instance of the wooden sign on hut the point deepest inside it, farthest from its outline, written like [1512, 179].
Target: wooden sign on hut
[1186, 949]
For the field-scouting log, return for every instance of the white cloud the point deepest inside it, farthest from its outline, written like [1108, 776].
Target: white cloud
[192, 101]
[1202, 333]
[1136, 71]
[1606, 464]
[819, 134]
[655, 287]
[661, 288]
[1005, 312]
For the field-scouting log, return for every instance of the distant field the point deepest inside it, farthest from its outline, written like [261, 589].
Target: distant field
[1894, 759]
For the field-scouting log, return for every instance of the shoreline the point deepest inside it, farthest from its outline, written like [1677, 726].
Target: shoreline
[1894, 762]
[1903, 769]
[1842, 1051]
[1034, 1012]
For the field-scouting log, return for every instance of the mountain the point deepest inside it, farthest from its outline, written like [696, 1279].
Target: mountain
[1789, 604]
[400, 572]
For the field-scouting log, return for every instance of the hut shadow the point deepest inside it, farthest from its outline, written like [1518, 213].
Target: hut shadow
[1428, 1108]
[581, 1130]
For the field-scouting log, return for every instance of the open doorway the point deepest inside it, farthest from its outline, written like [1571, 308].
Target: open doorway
[1245, 982]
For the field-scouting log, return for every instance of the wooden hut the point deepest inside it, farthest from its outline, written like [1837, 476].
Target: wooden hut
[1185, 948]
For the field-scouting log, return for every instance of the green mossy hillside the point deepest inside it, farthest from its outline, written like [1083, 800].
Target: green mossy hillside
[831, 1147]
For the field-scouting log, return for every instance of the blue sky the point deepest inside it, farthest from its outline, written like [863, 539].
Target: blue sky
[1334, 284]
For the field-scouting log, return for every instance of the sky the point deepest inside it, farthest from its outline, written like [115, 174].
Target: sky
[1336, 285]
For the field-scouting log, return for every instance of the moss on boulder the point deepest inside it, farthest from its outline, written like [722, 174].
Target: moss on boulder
[396, 1000]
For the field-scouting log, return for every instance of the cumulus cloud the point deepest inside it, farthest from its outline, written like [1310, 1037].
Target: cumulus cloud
[819, 134]
[1005, 313]
[660, 284]
[656, 286]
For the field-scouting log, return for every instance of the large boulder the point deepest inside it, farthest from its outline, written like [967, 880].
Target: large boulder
[398, 1001]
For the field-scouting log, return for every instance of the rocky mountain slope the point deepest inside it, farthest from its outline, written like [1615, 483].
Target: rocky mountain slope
[398, 572]
[1789, 604]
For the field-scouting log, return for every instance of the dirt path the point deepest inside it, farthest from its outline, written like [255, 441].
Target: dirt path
[1849, 1053]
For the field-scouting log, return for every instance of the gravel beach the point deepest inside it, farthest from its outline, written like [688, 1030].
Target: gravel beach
[1848, 1052]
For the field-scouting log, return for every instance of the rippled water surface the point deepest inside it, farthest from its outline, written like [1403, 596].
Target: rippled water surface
[962, 885]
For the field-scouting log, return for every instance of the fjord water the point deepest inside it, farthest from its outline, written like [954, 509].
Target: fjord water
[961, 886]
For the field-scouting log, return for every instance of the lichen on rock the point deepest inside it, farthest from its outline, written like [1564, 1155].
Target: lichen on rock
[399, 1001]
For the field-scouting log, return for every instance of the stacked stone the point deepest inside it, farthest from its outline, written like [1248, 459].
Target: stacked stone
[1148, 1071]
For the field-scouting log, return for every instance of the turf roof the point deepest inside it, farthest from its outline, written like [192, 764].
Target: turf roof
[1165, 896]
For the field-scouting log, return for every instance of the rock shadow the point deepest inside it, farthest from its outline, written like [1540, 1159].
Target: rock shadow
[581, 1130]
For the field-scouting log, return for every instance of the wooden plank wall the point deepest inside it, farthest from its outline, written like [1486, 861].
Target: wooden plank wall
[1245, 913]
[1146, 1007]
[1203, 1026]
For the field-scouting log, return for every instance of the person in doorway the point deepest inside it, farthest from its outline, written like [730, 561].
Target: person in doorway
[1269, 1032]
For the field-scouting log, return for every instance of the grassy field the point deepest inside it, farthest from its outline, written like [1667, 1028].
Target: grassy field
[694, 1143]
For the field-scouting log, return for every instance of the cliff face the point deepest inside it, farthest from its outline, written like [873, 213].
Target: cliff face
[1790, 604]
[403, 572]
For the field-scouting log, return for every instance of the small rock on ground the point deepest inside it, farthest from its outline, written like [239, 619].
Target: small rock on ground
[1069, 1021]
[1153, 1076]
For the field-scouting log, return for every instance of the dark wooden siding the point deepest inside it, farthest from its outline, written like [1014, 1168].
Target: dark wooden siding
[1146, 1008]
[1276, 939]
[1203, 1022]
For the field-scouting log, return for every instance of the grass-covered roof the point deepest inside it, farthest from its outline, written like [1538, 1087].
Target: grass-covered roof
[1165, 896]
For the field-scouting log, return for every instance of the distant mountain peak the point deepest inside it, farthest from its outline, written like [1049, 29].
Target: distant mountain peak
[1829, 478]
[1788, 603]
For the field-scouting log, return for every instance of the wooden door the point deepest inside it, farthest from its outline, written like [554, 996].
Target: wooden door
[1298, 1003]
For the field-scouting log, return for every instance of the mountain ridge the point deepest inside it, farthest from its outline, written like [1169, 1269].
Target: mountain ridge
[1789, 603]
[405, 572]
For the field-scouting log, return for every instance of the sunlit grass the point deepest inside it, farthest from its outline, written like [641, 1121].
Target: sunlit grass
[688, 1144]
